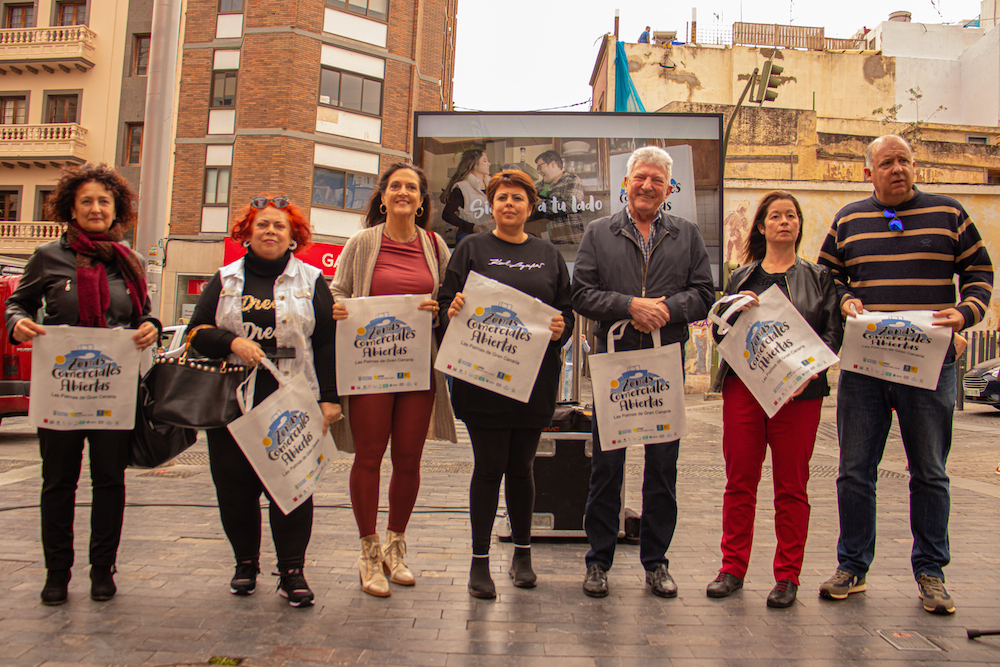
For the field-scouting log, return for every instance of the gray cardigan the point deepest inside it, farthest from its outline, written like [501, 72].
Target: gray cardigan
[355, 268]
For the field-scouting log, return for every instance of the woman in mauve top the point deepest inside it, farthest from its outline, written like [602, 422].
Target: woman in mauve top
[394, 255]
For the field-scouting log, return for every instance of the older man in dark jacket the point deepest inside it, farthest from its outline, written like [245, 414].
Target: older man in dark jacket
[652, 268]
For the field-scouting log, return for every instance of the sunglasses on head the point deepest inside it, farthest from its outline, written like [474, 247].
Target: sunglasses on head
[895, 224]
[262, 202]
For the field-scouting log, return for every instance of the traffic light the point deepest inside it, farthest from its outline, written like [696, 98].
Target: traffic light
[767, 86]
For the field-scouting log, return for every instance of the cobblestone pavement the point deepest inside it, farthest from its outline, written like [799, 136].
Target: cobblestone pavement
[173, 605]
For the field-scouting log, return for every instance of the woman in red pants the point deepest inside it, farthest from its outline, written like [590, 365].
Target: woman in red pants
[393, 255]
[769, 258]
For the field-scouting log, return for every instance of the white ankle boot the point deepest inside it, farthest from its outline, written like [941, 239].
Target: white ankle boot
[373, 581]
[393, 559]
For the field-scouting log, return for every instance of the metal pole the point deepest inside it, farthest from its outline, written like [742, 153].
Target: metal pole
[732, 118]
[154, 180]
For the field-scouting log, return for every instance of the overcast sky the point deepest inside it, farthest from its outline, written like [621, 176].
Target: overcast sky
[525, 55]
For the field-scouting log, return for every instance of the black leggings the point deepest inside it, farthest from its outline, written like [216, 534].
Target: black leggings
[499, 452]
[62, 456]
[238, 489]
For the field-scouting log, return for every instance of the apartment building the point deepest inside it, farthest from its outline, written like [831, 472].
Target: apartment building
[304, 98]
[72, 90]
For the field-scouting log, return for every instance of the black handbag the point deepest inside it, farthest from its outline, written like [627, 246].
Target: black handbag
[193, 393]
[153, 444]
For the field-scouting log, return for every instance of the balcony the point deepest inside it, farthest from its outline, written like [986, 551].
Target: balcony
[21, 238]
[57, 145]
[36, 49]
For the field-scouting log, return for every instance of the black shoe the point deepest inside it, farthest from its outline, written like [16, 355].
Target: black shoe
[782, 595]
[724, 585]
[660, 582]
[56, 589]
[292, 585]
[480, 582]
[244, 582]
[596, 583]
[102, 585]
[520, 569]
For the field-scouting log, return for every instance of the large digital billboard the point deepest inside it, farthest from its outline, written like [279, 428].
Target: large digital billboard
[577, 161]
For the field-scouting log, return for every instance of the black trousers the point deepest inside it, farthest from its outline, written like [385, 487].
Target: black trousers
[238, 489]
[502, 452]
[62, 458]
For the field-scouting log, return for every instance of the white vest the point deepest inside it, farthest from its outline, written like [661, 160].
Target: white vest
[294, 317]
[470, 187]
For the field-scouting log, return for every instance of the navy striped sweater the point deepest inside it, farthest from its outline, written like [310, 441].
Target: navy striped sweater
[913, 269]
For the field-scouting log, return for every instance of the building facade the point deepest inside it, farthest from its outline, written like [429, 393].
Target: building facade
[303, 98]
[72, 85]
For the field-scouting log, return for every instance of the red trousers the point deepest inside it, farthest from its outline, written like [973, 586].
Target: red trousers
[746, 434]
[374, 417]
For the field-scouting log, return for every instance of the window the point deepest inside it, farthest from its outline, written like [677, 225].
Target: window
[223, 89]
[8, 205]
[140, 55]
[71, 13]
[41, 195]
[13, 110]
[133, 144]
[993, 176]
[376, 9]
[341, 189]
[217, 185]
[350, 91]
[230, 6]
[977, 139]
[19, 16]
[63, 108]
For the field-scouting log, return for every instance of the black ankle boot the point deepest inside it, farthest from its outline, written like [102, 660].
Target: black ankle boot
[102, 585]
[480, 582]
[56, 588]
[520, 568]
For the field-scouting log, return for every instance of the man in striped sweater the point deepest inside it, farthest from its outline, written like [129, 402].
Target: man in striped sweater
[900, 249]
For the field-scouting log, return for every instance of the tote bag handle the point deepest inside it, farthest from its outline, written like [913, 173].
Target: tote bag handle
[737, 301]
[245, 392]
[617, 331]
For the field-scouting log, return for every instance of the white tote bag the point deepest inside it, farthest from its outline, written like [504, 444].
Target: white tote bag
[498, 340]
[84, 378]
[282, 437]
[771, 347]
[639, 394]
[384, 345]
[903, 347]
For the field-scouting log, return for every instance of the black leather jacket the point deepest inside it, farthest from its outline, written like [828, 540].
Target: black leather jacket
[814, 294]
[51, 275]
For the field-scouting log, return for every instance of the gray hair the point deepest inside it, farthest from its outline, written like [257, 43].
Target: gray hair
[651, 155]
[870, 150]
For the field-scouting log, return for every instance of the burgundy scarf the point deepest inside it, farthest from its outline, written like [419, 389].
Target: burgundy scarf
[93, 251]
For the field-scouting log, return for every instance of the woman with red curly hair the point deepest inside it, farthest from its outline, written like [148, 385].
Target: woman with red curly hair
[267, 304]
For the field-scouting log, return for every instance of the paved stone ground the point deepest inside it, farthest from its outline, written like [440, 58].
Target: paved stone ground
[173, 605]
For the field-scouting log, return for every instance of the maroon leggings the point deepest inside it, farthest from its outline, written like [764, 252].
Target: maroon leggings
[374, 417]
[746, 433]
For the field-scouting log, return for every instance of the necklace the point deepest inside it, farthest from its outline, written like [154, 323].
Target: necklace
[388, 236]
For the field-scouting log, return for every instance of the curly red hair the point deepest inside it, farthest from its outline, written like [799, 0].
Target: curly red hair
[301, 233]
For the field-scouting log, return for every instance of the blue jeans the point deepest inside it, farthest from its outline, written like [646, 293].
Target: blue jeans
[659, 503]
[864, 415]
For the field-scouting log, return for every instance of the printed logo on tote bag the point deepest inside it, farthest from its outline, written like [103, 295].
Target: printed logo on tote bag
[383, 337]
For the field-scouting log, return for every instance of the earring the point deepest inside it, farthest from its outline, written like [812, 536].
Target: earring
[420, 211]
[381, 209]
[246, 244]
[293, 245]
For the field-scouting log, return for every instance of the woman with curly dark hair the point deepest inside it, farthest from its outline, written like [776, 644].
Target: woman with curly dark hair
[267, 304]
[393, 255]
[88, 278]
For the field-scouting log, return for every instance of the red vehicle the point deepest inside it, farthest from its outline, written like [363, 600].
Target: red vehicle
[14, 387]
